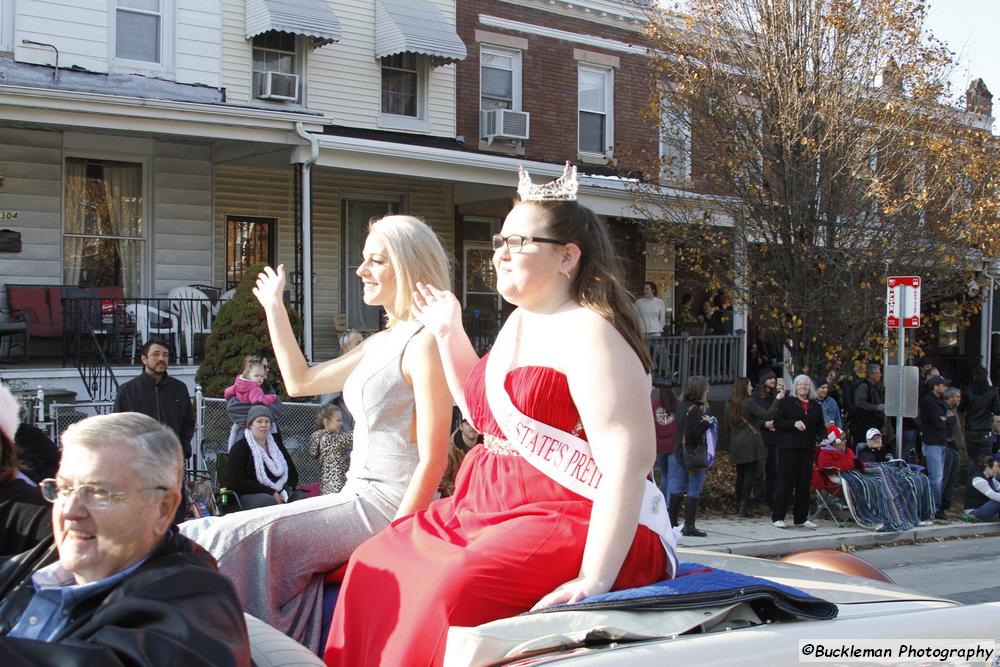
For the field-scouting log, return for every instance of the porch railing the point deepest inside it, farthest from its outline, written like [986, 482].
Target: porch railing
[89, 358]
[118, 327]
[716, 358]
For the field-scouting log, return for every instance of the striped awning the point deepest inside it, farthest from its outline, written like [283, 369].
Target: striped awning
[311, 18]
[415, 26]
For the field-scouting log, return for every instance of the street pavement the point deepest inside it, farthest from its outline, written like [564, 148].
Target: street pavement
[757, 537]
[959, 570]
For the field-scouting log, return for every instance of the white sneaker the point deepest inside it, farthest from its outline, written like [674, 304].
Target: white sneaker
[779, 524]
[807, 524]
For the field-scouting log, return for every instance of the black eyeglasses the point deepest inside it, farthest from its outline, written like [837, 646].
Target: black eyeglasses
[515, 242]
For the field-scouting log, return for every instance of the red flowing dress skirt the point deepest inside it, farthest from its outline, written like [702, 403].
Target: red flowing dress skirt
[507, 536]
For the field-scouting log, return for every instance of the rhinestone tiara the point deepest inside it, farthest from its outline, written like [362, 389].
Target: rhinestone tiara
[562, 189]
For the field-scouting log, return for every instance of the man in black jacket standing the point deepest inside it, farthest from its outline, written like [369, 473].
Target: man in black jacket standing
[869, 404]
[157, 395]
[114, 585]
[935, 425]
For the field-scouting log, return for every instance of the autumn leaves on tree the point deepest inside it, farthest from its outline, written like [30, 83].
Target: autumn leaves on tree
[823, 137]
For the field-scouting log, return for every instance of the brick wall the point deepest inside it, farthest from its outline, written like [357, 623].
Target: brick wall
[549, 83]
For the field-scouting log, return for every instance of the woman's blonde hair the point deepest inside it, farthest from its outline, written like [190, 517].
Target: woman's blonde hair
[416, 255]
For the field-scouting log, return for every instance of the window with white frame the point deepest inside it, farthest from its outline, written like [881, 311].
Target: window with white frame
[675, 143]
[104, 226]
[139, 30]
[356, 214]
[402, 83]
[595, 98]
[276, 52]
[499, 78]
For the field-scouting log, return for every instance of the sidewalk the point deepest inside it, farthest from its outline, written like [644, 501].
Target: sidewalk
[757, 537]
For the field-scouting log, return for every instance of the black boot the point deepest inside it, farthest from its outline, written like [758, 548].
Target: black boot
[674, 509]
[690, 512]
[744, 506]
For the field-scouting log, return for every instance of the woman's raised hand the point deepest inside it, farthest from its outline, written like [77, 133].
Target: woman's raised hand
[438, 310]
[270, 286]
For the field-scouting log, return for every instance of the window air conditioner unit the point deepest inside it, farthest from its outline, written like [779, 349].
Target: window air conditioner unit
[276, 86]
[505, 124]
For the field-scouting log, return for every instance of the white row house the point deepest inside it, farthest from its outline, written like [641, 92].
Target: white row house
[147, 146]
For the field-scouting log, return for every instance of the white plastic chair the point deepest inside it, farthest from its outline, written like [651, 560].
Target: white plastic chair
[152, 321]
[194, 313]
[224, 297]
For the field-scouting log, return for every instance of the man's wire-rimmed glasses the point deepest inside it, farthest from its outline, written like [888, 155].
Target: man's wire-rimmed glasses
[92, 496]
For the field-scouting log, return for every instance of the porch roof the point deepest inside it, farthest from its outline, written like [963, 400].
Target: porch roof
[446, 160]
[84, 110]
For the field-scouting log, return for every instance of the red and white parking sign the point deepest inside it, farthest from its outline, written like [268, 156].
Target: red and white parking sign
[898, 290]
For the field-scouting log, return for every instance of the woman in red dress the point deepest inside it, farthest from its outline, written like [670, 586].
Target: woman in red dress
[555, 505]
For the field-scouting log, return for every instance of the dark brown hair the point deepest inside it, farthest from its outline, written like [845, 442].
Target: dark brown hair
[598, 281]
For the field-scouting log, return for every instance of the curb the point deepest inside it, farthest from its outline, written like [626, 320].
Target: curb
[770, 548]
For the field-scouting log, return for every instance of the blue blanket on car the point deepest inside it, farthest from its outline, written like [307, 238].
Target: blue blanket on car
[697, 586]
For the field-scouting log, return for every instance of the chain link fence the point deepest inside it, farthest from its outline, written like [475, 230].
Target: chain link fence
[212, 430]
[296, 424]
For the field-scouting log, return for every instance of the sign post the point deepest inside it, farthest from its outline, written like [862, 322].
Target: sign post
[902, 304]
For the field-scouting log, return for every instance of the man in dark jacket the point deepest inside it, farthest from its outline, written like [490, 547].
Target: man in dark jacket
[980, 403]
[935, 424]
[869, 404]
[115, 585]
[156, 394]
[765, 394]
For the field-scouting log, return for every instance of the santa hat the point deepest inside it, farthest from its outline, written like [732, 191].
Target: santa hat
[10, 410]
[833, 433]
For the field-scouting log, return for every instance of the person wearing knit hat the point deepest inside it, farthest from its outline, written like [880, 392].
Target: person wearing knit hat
[831, 411]
[765, 375]
[260, 470]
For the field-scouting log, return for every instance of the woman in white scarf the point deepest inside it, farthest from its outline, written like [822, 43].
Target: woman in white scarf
[260, 470]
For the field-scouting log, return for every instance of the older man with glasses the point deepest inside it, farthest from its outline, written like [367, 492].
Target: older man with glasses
[115, 585]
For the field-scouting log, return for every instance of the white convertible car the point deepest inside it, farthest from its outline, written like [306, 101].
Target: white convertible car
[717, 629]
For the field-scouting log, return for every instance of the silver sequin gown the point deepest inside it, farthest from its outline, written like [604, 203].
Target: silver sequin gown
[277, 557]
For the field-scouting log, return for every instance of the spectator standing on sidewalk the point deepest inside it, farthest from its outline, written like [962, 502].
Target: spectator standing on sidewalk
[982, 493]
[765, 395]
[869, 404]
[935, 424]
[799, 421]
[157, 395]
[831, 410]
[980, 404]
[954, 443]
[746, 446]
[664, 403]
[693, 419]
[652, 311]
[332, 447]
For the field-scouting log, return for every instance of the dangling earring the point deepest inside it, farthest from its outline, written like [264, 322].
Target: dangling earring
[564, 273]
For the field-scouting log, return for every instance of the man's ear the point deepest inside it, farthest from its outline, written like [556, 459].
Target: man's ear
[166, 508]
